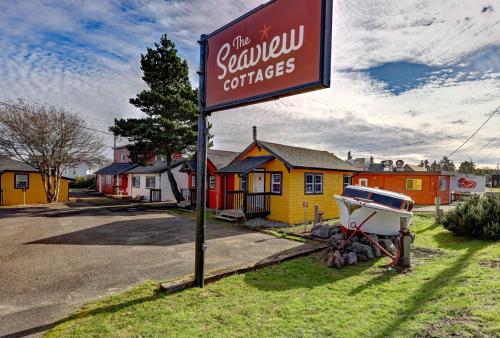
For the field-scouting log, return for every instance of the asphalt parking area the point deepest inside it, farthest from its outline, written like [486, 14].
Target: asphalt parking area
[49, 266]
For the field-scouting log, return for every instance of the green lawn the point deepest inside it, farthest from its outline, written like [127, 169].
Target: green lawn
[452, 289]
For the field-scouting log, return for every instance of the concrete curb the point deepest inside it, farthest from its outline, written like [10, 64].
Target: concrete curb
[187, 282]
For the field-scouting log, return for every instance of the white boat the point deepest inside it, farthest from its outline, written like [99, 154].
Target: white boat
[388, 210]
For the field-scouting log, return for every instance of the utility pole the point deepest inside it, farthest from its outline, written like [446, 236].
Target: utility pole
[114, 143]
[201, 172]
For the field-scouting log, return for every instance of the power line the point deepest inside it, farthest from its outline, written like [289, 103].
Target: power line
[28, 111]
[474, 133]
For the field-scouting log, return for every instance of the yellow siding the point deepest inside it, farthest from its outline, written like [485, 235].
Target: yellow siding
[332, 185]
[35, 194]
[288, 207]
[279, 203]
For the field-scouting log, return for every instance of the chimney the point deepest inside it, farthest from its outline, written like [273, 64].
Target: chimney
[254, 129]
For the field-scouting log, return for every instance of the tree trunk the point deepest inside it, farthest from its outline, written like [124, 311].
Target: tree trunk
[173, 183]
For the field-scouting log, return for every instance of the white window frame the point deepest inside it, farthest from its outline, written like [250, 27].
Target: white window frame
[316, 186]
[138, 186]
[443, 184]
[122, 157]
[108, 179]
[21, 178]
[148, 180]
[242, 183]
[193, 181]
[276, 180]
[349, 180]
[212, 182]
[363, 182]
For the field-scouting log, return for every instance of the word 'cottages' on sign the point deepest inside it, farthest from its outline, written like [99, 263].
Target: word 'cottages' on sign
[280, 48]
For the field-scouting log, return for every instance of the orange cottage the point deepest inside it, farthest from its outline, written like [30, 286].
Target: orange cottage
[423, 186]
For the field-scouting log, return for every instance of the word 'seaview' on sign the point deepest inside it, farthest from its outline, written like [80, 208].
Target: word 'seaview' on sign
[281, 48]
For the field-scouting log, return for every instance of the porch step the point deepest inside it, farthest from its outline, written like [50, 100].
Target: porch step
[226, 219]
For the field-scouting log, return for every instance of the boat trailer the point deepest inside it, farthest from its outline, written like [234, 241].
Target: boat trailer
[402, 255]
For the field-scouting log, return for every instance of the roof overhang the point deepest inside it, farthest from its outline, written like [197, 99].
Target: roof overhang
[246, 165]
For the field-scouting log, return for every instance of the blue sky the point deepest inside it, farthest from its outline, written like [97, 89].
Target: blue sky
[410, 79]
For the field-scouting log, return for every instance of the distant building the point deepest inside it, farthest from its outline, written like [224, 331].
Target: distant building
[85, 169]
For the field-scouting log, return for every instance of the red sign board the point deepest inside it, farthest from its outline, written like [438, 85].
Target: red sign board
[281, 48]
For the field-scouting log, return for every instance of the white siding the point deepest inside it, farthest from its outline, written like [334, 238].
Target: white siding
[182, 183]
[142, 191]
[162, 183]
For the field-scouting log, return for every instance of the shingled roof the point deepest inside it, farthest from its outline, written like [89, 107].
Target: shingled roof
[219, 158]
[158, 168]
[8, 164]
[115, 169]
[305, 158]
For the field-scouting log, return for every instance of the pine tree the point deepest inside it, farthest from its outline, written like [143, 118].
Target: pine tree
[171, 107]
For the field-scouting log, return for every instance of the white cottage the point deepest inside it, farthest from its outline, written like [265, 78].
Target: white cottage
[151, 182]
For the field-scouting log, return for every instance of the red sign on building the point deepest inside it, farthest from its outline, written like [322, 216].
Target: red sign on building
[281, 48]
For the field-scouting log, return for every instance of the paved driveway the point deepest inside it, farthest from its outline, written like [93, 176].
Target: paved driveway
[49, 266]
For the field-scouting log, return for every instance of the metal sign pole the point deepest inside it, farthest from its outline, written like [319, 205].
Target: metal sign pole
[201, 171]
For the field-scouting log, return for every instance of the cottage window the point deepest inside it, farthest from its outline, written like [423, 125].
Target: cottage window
[193, 181]
[211, 182]
[150, 182]
[443, 185]
[347, 180]
[108, 179]
[276, 183]
[136, 181]
[363, 182]
[313, 183]
[243, 183]
[21, 181]
[413, 184]
[122, 157]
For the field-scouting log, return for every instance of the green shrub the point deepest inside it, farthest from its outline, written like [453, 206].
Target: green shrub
[82, 182]
[479, 217]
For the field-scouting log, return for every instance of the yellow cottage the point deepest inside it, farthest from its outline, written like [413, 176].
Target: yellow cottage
[276, 181]
[21, 184]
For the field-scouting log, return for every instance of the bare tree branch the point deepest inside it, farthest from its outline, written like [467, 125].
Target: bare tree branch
[47, 137]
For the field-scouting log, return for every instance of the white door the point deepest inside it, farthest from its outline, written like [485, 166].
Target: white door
[258, 182]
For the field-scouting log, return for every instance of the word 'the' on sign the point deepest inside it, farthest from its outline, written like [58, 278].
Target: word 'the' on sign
[280, 48]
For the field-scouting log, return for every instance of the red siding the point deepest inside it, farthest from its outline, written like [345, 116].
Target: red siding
[397, 182]
[215, 197]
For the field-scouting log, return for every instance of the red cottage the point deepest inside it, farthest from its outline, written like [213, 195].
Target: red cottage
[216, 159]
[113, 180]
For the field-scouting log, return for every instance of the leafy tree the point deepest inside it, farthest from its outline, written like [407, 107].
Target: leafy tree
[467, 167]
[435, 166]
[446, 164]
[47, 137]
[171, 107]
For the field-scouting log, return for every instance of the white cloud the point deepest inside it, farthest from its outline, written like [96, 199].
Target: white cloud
[85, 56]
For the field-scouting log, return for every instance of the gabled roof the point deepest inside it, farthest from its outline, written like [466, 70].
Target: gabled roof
[157, 168]
[413, 167]
[8, 164]
[219, 158]
[246, 165]
[297, 157]
[115, 169]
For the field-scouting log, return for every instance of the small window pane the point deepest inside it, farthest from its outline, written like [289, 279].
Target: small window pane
[136, 181]
[356, 193]
[276, 183]
[22, 181]
[318, 186]
[150, 182]
[212, 182]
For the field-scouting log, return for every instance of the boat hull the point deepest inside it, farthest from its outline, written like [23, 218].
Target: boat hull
[385, 221]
